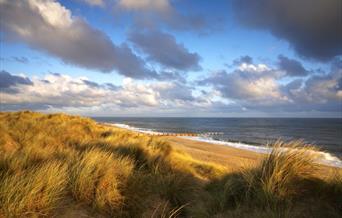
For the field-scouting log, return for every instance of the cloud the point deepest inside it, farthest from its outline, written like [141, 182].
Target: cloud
[58, 91]
[291, 67]
[310, 26]
[260, 87]
[243, 59]
[318, 93]
[8, 82]
[164, 49]
[320, 89]
[174, 91]
[152, 13]
[48, 26]
[248, 83]
[130, 65]
[250, 88]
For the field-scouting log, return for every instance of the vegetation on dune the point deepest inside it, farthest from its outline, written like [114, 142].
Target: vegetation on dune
[60, 165]
[286, 183]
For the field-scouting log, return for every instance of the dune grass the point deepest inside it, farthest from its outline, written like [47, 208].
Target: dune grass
[286, 183]
[52, 164]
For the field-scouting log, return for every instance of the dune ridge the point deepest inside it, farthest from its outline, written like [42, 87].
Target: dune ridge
[68, 166]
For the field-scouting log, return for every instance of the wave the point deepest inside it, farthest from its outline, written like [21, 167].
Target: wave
[324, 158]
[135, 129]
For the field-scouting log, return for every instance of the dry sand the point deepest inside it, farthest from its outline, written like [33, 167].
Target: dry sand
[220, 154]
[229, 157]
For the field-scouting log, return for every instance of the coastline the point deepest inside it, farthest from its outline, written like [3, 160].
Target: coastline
[73, 166]
[224, 153]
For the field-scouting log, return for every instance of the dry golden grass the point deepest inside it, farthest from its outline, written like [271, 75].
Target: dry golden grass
[54, 163]
[97, 177]
[34, 191]
[286, 183]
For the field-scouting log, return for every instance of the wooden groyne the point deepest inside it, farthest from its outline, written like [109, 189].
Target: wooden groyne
[183, 134]
[143, 132]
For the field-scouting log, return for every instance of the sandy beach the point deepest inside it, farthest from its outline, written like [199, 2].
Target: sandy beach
[70, 166]
[216, 153]
[231, 158]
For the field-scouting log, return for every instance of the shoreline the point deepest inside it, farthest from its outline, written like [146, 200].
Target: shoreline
[69, 166]
[252, 152]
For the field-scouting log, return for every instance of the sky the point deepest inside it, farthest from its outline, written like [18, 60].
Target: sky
[172, 58]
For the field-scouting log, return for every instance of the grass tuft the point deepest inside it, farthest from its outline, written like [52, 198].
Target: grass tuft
[287, 176]
[97, 178]
[37, 190]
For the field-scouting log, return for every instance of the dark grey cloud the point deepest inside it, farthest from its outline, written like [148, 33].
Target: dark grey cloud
[163, 48]
[131, 65]
[313, 27]
[112, 87]
[243, 59]
[90, 83]
[172, 76]
[291, 67]
[292, 86]
[45, 81]
[179, 15]
[159, 13]
[9, 81]
[336, 64]
[50, 27]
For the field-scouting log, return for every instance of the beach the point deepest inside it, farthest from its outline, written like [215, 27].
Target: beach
[69, 166]
[254, 135]
[232, 156]
[204, 151]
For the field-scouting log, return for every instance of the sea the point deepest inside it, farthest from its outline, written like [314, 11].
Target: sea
[246, 133]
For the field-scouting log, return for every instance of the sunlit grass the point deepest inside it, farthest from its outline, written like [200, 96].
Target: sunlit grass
[286, 183]
[33, 191]
[48, 161]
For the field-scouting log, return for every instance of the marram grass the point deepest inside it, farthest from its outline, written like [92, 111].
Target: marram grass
[60, 165]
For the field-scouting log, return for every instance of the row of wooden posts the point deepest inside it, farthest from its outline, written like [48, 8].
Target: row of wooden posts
[182, 134]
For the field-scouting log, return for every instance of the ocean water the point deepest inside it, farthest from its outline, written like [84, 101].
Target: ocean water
[322, 132]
